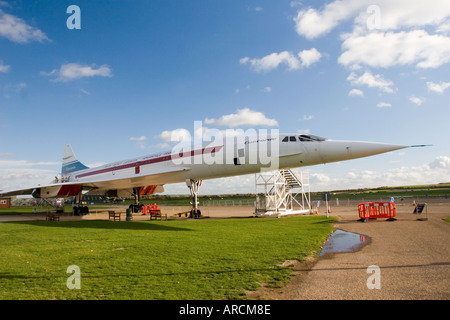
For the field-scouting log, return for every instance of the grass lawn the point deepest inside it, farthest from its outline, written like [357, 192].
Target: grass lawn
[20, 210]
[27, 209]
[174, 259]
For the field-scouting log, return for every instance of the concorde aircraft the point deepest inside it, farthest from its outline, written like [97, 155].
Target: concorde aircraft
[191, 164]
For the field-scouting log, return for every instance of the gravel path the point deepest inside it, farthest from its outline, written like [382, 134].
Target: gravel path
[413, 259]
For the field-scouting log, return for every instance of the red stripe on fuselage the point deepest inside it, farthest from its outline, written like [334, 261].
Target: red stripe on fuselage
[150, 161]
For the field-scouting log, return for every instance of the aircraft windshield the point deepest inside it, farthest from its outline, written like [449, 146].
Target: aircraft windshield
[302, 137]
[309, 137]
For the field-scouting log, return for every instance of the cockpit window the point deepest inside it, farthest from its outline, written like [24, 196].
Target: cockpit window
[303, 137]
[308, 137]
[289, 138]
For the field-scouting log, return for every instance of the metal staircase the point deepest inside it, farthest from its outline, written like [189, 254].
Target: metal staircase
[284, 192]
[57, 203]
[291, 180]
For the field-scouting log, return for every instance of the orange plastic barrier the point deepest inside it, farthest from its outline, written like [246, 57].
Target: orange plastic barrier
[149, 207]
[375, 210]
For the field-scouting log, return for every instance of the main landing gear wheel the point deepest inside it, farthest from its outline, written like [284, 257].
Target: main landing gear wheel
[80, 211]
[135, 208]
[195, 214]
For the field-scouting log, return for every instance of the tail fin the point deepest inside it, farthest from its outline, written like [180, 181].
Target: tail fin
[70, 163]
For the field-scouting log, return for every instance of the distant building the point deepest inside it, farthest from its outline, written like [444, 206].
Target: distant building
[5, 202]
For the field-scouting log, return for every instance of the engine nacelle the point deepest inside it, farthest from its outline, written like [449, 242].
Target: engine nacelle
[68, 190]
[46, 192]
[126, 193]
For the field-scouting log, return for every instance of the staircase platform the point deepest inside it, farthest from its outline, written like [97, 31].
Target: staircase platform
[285, 192]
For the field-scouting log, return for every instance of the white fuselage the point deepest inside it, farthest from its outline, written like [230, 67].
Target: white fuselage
[214, 160]
[224, 157]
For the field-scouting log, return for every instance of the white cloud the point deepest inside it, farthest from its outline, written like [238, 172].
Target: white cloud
[20, 86]
[141, 138]
[444, 28]
[433, 172]
[272, 61]
[244, 60]
[379, 49]
[179, 134]
[436, 171]
[393, 15]
[313, 23]
[243, 117]
[12, 88]
[438, 87]
[139, 141]
[377, 38]
[163, 145]
[372, 81]
[16, 174]
[5, 155]
[239, 90]
[356, 93]
[441, 162]
[17, 30]
[309, 57]
[3, 67]
[85, 92]
[25, 163]
[416, 100]
[319, 179]
[384, 105]
[184, 137]
[304, 131]
[307, 117]
[73, 71]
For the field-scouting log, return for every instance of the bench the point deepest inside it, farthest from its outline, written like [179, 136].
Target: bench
[114, 215]
[51, 216]
[156, 214]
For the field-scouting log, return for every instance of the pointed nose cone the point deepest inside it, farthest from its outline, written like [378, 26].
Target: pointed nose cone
[345, 150]
[365, 149]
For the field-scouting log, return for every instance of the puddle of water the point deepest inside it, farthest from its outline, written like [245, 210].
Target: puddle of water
[343, 241]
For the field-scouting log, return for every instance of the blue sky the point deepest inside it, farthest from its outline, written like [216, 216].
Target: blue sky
[373, 70]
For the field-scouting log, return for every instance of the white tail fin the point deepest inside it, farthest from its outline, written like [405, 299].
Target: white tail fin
[70, 163]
